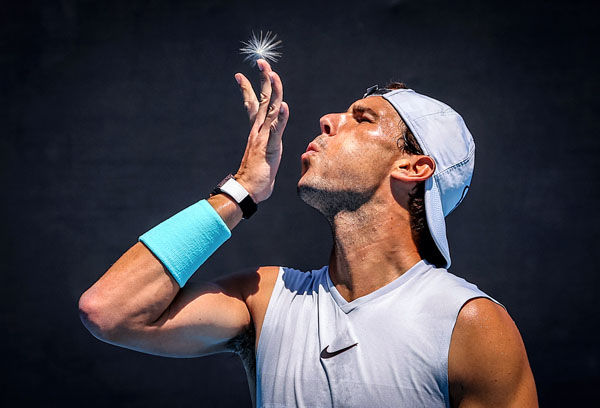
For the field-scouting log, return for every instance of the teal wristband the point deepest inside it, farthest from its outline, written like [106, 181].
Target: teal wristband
[185, 241]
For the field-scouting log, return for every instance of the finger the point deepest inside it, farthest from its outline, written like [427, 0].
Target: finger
[250, 100]
[278, 127]
[276, 98]
[265, 93]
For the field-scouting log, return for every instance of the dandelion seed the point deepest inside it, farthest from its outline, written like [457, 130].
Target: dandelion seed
[262, 46]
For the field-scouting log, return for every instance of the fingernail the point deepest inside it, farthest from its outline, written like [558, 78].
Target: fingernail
[237, 79]
[259, 66]
[281, 109]
[271, 77]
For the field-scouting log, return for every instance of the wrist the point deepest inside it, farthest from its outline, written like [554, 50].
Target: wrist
[242, 178]
[227, 208]
[183, 242]
[236, 191]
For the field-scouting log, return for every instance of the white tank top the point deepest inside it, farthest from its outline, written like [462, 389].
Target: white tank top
[388, 348]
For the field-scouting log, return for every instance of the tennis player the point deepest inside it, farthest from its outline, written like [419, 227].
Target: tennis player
[383, 323]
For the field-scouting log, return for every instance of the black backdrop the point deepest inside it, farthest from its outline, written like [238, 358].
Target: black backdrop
[115, 115]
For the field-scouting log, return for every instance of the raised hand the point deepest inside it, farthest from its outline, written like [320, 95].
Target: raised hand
[268, 118]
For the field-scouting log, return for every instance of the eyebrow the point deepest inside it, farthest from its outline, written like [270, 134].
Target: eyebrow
[357, 108]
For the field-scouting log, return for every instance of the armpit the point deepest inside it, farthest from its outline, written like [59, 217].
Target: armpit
[243, 345]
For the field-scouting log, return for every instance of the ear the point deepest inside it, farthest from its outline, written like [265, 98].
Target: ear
[413, 168]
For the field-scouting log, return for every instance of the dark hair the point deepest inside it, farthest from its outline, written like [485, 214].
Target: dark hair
[427, 248]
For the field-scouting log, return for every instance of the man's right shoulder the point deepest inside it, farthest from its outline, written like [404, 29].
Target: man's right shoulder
[257, 283]
[253, 284]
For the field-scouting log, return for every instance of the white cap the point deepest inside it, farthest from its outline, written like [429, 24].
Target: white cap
[442, 135]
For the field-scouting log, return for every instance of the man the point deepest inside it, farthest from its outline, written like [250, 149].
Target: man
[383, 324]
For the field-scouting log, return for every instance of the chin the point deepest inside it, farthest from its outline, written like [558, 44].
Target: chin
[329, 199]
[305, 178]
[305, 183]
[310, 195]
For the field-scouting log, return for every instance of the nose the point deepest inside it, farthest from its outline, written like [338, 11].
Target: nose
[330, 123]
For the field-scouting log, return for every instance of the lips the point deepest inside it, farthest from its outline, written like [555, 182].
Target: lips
[312, 147]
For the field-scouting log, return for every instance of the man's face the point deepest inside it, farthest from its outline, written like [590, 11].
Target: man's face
[352, 156]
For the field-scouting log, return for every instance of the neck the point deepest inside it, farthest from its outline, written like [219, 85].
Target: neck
[372, 246]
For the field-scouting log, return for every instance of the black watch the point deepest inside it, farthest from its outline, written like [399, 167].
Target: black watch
[238, 193]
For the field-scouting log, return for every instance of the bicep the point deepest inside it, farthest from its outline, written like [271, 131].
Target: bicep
[487, 361]
[199, 321]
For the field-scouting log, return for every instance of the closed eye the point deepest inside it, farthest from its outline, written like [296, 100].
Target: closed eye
[363, 113]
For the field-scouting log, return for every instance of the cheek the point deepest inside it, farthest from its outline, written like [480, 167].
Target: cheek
[364, 160]
[365, 154]
[358, 165]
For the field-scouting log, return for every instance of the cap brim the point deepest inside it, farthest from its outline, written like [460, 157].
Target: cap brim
[435, 218]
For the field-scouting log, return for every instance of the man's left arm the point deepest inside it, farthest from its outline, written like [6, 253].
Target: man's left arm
[487, 361]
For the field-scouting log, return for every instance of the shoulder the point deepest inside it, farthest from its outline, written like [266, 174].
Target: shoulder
[481, 321]
[487, 361]
[437, 279]
[442, 293]
[251, 284]
[254, 286]
[443, 281]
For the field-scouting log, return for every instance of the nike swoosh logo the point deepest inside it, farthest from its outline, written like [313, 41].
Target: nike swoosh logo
[327, 354]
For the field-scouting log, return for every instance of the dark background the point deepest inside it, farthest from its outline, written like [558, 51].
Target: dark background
[115, 115]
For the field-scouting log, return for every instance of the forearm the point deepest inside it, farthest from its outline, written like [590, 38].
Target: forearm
[138, 289]
[136, 303]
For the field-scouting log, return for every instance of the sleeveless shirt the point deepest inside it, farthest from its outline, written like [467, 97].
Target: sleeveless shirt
[387, 348]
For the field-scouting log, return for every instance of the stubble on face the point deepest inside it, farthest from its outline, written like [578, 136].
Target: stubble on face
[335, 185]
[331, 202]
[351, 164]
[340, 183]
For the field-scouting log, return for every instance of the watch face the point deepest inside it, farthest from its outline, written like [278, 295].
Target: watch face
[238, 193]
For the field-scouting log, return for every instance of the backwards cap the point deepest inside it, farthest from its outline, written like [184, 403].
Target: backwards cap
[442, 135]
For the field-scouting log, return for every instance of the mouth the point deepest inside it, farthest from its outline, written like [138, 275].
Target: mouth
[312, 147]
[311, 150]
